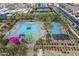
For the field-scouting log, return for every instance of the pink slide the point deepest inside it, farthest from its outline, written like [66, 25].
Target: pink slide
[14, 40]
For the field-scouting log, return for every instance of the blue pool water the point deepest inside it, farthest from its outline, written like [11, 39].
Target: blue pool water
[56, 28]
[28, 30]
[58, 32]
[33, 30]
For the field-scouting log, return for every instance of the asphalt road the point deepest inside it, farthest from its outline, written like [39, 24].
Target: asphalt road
[69, 17]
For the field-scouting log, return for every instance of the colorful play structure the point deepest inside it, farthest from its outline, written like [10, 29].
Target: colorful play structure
[15, 40]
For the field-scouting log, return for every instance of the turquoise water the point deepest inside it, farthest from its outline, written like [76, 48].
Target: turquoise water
[57, 28]
[33, 29]
[28, 29]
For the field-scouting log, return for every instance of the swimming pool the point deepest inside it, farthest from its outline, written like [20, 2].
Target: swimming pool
[29, 29]
[58, 32]
[57, 28]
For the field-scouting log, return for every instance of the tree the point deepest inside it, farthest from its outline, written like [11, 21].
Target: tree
[1, 40]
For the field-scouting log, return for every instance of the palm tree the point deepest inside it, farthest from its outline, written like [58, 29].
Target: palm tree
[22, 49]
[1, 40]
[62, 5]
[17, 50]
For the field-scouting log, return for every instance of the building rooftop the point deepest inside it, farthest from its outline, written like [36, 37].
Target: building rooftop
[42, 9]
[74, 8]
[3, 16]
